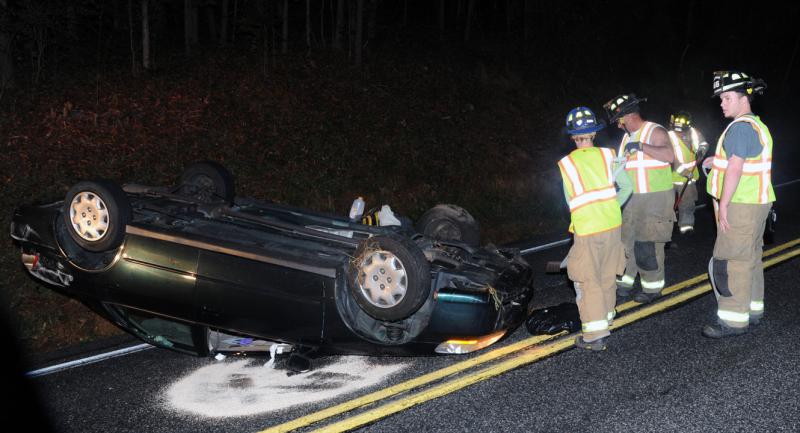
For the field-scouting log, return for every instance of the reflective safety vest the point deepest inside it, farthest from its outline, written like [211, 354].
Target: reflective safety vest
[755, 185]
[685, 156]
[648, 174]
[592, 198]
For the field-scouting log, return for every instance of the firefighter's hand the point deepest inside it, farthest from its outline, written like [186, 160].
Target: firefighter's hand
[723, 218]
[707, 162]
[632, 146]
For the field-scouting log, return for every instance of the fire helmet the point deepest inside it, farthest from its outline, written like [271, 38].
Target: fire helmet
[677, 122]
[725, 81]
[622, 105]
[582, 120]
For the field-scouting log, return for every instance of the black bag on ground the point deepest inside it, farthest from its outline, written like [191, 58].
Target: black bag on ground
[552, 320]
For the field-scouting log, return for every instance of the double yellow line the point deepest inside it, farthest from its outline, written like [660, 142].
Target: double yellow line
[527, 351]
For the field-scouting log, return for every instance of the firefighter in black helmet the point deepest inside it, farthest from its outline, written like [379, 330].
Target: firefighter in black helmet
[647, 218]
[740, 182]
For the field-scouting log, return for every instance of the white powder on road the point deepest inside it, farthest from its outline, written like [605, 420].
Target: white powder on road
[246, 387]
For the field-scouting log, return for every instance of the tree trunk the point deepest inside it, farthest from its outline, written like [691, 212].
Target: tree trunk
[308, 24]
[525, 11]
[359, 32]
[72, 21]
[509, 19]
[187, 25]
[468, 23]
[441, 19]
[194, 14]
[285, 30]
[689, 20]
[211, 22]
[116, 12]
[267, 27]
[322, 24]
[134, 63]
[337, 36]
[372, 21]
[146, 63]
[7, 75]
[223, 23]
[235, 17]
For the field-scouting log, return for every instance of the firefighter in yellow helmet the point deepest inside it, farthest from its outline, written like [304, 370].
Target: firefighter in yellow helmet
[740, 183]
[597, 255]
[687, 143]
[648, 217]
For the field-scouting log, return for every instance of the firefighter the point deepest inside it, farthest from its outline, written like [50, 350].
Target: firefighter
[597, 255]
[687, 142]
[741, 186]
[648, 217]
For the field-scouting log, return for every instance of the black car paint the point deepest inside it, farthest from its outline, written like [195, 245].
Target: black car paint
[276, 280]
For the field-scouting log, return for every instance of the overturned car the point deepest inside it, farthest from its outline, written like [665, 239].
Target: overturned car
[178, 266]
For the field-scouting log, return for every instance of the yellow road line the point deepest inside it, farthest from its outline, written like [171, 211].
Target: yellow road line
[781, 247]
[434, 376]
[527, 356]
[409, 384]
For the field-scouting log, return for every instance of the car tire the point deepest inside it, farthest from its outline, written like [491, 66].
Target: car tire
[447, 222]
[96, 214]
[208, 182]
[389, 277]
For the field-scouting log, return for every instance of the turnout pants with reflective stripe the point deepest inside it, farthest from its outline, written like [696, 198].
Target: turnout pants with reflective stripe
[738, 272]
[647, 222]
[593, 263]
[687, 204]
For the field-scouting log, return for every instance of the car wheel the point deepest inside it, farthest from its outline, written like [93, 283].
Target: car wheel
[208, 182]
[447, 222]
[96, 214]
[389, 278]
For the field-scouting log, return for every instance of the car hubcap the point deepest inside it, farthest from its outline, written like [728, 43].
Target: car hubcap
[382, 279]
[89, 216]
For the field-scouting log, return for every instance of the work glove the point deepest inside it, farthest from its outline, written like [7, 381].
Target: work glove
[632, 146]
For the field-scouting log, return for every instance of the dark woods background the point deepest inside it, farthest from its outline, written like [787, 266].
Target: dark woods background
[585, 44]
[576, 47]
[313, 102]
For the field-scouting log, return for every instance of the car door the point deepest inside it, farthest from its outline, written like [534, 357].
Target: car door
[262, 296]
[155, 273]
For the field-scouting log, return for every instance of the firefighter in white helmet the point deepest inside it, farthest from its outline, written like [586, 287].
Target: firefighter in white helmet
[740, 183]
[687, 143]
[597, 255]
[648, 217]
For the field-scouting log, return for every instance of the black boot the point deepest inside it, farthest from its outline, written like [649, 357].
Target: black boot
[646, 298]
[721, 330]
[594, 345]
